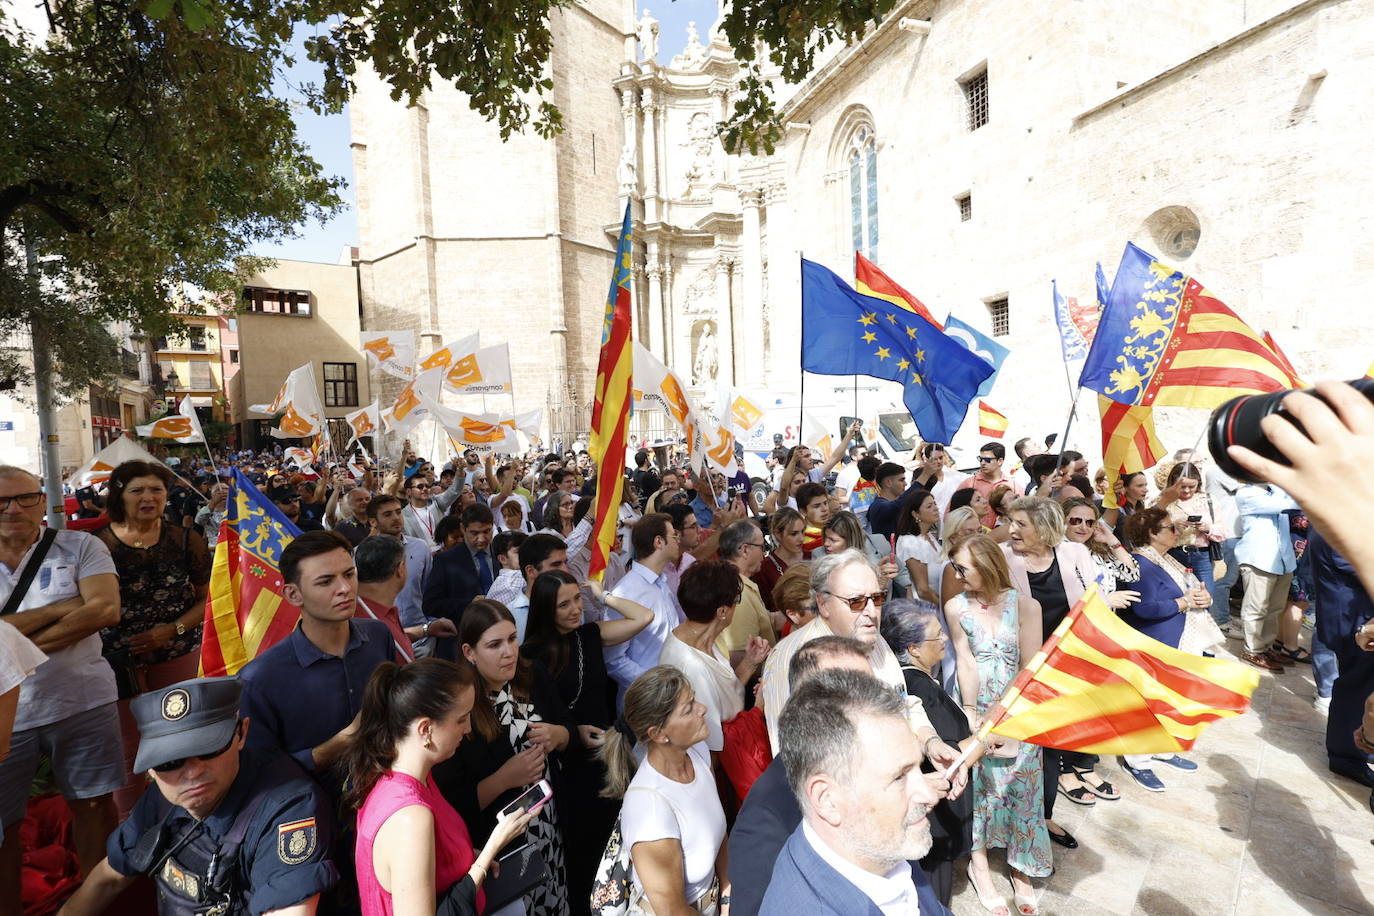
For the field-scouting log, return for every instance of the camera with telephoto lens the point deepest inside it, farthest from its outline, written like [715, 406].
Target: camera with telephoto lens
[1237, 422]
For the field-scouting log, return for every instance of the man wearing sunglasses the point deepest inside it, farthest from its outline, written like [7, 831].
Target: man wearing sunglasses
[66, 709]
[849, 602]
[989, 476]
[221, 826]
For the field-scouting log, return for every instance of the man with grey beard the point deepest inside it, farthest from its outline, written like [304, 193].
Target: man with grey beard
[855, 767]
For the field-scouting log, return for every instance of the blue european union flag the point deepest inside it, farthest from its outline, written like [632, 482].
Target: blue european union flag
[848, 333]
[982, 346]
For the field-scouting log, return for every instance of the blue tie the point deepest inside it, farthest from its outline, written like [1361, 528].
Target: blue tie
[484, 571]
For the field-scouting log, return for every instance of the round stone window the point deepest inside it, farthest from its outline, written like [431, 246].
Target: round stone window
[1175, 232]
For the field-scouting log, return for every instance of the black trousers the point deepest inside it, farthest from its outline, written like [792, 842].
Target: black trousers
[1056, 762]
[1354, 683]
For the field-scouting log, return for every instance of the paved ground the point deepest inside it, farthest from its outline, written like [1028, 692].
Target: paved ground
[1261, 827]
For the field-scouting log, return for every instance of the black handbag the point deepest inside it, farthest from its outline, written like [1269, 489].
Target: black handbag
[520, 871]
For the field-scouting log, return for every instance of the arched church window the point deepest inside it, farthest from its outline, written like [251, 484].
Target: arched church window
[863, 191]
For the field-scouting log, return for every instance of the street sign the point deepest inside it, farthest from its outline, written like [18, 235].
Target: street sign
[6, 426]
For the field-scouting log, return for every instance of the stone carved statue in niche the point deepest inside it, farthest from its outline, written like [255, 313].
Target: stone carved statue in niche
[693, 57]
[705, 363]
[647, 31]
[701, 294]
[703, 169]
[627, 171]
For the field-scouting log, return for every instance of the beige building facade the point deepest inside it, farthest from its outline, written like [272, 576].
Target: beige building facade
[294, 313]
[974, 150]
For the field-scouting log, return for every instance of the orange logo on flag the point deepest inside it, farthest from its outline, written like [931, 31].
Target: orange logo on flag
[723, 452]
[406, 401]
[465, 372]
[744, 413]
[380, 348]
[477, 432]
[362, 425]
[678, 405]
[173, 427]
[293, 424]
[441, 357]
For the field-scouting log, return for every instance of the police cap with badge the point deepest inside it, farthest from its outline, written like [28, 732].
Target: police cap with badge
[264, 830]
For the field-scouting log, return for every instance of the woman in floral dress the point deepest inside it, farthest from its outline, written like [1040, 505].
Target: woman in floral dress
[993, 630]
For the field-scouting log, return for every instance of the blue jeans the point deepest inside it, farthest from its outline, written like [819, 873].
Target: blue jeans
[1323, 666]
[1221, 589]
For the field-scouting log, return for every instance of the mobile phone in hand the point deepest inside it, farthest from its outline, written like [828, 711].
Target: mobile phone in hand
[531, 799]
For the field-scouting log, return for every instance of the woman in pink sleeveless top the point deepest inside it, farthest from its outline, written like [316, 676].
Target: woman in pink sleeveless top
[413, 849]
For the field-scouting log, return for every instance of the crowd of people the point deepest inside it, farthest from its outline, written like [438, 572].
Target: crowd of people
[768, 702]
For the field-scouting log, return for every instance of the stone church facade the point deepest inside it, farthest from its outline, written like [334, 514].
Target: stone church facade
[973, 149]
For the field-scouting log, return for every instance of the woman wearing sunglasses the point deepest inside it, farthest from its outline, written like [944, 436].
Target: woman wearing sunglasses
[1115, 565]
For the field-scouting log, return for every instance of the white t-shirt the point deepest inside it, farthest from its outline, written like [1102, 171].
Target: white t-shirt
[944, 490]
[658, 808]
[924, 550]
[18, 657]
[713, 681]
[847, 477]
[76, 678]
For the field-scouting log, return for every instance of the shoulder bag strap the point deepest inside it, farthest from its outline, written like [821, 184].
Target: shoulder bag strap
[21, 588]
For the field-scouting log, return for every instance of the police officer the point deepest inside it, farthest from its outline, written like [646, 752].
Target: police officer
[223, 831]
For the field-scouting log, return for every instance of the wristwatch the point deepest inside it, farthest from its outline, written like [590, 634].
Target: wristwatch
[181, 628]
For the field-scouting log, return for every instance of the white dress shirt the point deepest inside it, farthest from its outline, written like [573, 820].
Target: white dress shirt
[893, 893]
[632, 658]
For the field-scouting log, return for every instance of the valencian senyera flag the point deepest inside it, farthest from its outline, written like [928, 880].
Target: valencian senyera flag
[1099, 686]
[1164, 341]
[246, 611]
[1129, 443]
[611, 408]
[848, 333]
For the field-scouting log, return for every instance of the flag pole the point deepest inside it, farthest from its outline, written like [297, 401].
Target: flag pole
[1073, 410]
[801, 349]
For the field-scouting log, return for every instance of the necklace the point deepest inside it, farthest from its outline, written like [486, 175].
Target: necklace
[577, 646]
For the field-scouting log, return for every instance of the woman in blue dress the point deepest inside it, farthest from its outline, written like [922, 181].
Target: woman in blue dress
[995, 631]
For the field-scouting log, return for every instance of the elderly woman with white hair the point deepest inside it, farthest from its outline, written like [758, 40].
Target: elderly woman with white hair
[1055, 572]
[914, 630]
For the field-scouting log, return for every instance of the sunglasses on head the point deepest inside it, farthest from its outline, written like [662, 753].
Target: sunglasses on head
[859, 602]
[180, 762]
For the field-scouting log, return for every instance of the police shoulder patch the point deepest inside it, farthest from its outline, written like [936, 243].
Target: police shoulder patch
[296, 841]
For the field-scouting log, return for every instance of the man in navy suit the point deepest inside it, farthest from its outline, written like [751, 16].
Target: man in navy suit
[854, 766]
[461, 573]
[1343, 608]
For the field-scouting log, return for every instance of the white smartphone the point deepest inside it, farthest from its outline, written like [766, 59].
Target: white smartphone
[531, 799]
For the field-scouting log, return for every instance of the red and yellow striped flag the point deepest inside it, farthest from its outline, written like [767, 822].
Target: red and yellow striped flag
[1129, 442]
[1099, 686]
[246, 611]
[611, 409]
[871, 281]
[991, 423]
[1273, 344]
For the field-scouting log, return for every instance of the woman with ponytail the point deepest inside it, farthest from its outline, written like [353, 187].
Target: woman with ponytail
[671, 819]
[414, 854]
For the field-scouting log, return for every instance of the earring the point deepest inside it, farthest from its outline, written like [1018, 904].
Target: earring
[429, 743]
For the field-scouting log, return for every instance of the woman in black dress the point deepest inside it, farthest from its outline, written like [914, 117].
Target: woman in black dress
[913, 631]
[568, 652]
[521, 732]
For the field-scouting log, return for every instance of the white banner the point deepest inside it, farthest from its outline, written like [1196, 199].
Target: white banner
[182, 426]
[298, 401]
[365, 421]
[107, 459]
[393, 352]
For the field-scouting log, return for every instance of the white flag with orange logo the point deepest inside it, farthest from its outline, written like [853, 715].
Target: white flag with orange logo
[529, 422]
[302, 458]
[484, 433]
[484, 371]
[720, 452]
[298, 402]
[107, 459]
[393, 352]
[458, 360]
[182, 426]
[365, 421]
[740, 411]
[662, 389]
[415, 400]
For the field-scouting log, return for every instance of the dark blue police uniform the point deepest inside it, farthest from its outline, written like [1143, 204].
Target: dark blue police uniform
[266, 846]
[1342, 607]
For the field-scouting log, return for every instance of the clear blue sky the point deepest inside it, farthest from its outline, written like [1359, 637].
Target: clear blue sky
[327, 137]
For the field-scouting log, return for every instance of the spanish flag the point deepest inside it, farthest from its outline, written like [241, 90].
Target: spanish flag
[1129, 442]
[991, 423]
[246, 611]
[871, 281]
[611, 409]
[1101, 687]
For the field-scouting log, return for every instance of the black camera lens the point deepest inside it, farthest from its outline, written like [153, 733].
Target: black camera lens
[1237, 422]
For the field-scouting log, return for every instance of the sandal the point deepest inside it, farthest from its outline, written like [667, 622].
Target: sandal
[999, 905]
[1103, 790]
[1300, 654]
[1081, 795]
[1026, 906]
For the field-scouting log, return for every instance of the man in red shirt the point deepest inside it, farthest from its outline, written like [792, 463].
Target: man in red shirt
[989, 476]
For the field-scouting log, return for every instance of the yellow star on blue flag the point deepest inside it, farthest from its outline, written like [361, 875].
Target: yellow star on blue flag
[949, 374]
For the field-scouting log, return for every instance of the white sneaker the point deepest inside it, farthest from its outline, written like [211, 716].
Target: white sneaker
[1322, 705]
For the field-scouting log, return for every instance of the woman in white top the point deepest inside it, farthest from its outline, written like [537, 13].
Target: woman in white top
[671, 820]
[18, 659]
[918, 543]
[958, 524]
[708, 595]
